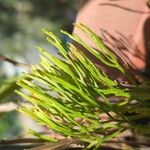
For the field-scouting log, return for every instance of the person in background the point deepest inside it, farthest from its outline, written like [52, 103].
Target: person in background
[124, 26]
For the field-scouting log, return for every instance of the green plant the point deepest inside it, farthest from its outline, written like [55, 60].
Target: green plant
[70, 95]
[7, 87]
[9, 125]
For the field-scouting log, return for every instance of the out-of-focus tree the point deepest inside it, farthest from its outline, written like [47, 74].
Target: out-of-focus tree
[22, 20]
[20, 24]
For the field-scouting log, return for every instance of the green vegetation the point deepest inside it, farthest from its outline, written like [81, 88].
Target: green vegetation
[20, 21]
[69, 95]
[9, 123]
[7, 88]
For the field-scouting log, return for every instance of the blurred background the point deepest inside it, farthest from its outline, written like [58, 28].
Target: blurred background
[21, 22]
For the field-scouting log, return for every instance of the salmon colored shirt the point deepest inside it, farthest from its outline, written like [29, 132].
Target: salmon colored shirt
[124, 24]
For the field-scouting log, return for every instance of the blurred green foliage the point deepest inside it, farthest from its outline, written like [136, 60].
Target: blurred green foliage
[20, 25]
[9, 124]
[7, 88]
[21, 21]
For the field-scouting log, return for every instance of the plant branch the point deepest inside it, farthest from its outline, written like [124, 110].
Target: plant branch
[15, 63]
[21, 140]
